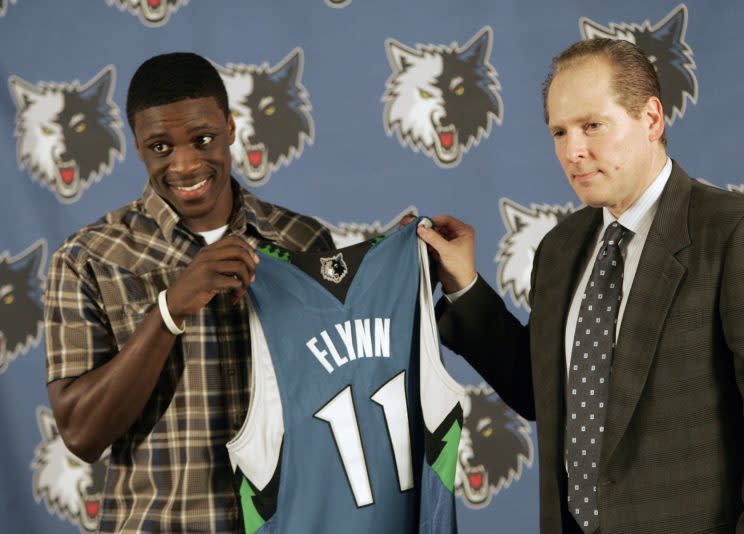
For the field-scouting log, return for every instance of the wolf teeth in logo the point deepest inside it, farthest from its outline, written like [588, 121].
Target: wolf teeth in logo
[664, 44]
[495, 446]
[347, 234]
[21, 315]
[4, 6]
[150, 12]
[333, 269]
[69, 487]
[272, 115]
[68, 135]
[440, 99]
[525, 228]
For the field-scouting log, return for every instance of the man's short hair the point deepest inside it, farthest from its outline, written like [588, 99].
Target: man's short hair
[169, 78]
[634, 80]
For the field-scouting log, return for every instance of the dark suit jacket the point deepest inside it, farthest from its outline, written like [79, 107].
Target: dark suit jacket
[673, 452]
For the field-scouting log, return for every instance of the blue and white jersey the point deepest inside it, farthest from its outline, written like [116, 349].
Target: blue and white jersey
[354, 423]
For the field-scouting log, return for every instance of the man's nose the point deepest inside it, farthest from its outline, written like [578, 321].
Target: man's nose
[575, 147]
[185, 160]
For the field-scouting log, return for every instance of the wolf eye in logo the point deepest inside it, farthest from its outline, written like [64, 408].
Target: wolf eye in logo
[272, 115]
[347, 234]
[441, 99]
[665, 46]
[525, 228]
[495, 447]
[4, 6]
[69, 487]
[21, 315]
[333, 269]
[150, 12]
[68, 135]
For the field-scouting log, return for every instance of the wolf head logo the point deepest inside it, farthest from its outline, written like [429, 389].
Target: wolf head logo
[272, 115]
[69, 487]
[347, 234]
[442, 100]
[525, 228]
[664, 44]
[150, 12]
[68, 135]
[21, 315]
[495, 446]
[4, 6]
[333, 269]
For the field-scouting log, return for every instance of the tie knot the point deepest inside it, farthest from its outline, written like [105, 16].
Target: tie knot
[614, 234]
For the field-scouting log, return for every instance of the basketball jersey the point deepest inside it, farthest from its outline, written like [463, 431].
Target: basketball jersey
[354, 423]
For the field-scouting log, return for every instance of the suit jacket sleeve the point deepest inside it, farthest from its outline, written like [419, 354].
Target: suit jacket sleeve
[732, 316]
[479, 327]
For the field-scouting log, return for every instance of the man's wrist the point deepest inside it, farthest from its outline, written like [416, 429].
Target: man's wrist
[452, 297]
[170, 324]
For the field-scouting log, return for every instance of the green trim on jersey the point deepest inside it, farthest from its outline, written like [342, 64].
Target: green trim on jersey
[273, 251]
[446, 462]
[252, 520]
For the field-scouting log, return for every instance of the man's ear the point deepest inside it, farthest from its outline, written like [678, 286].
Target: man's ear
[654, 114]
[231, 127]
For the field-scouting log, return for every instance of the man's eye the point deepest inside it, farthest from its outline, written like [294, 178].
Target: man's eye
[558, 133]
[204, 140]
[160, 148]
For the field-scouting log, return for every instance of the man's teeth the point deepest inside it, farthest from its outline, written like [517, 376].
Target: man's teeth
[191, 187]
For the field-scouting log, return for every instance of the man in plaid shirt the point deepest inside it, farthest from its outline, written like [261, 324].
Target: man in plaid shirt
[146, 321]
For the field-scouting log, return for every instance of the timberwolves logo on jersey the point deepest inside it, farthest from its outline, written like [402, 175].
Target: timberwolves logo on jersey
[333, 269]
[272, 115]
[21, 315]
[4, 6]
[496, 445]
[350, 233]
[68, 135]
[69, 487]
[442, 99]
[150, 12]
[665, 45]
[525, 228]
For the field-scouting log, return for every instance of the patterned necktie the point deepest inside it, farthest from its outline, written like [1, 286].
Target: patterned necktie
[588, 378]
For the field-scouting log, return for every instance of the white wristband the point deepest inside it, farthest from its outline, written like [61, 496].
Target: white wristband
[170, 324]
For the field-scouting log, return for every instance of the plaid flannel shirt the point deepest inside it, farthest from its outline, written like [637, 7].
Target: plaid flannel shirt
[170, 472]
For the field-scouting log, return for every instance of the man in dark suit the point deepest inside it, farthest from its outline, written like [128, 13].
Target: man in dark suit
[664, 420]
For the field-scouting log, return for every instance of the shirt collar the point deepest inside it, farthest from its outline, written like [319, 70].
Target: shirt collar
[248, 211]
[638, 217]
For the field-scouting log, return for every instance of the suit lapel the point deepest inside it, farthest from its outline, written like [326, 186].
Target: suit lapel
[651, 296]
[563, 261]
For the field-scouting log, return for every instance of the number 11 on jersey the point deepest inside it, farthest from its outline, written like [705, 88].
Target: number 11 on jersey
[341, 417]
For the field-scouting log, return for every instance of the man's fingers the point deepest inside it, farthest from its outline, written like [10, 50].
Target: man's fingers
[230, 247]
[432, 238]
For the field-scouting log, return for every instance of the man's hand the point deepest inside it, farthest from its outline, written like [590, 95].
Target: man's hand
[227, 265]
[452, 243]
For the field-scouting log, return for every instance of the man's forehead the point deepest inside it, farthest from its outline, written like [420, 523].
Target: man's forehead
[179, 111]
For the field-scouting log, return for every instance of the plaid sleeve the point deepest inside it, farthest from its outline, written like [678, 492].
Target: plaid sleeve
[78, 337]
